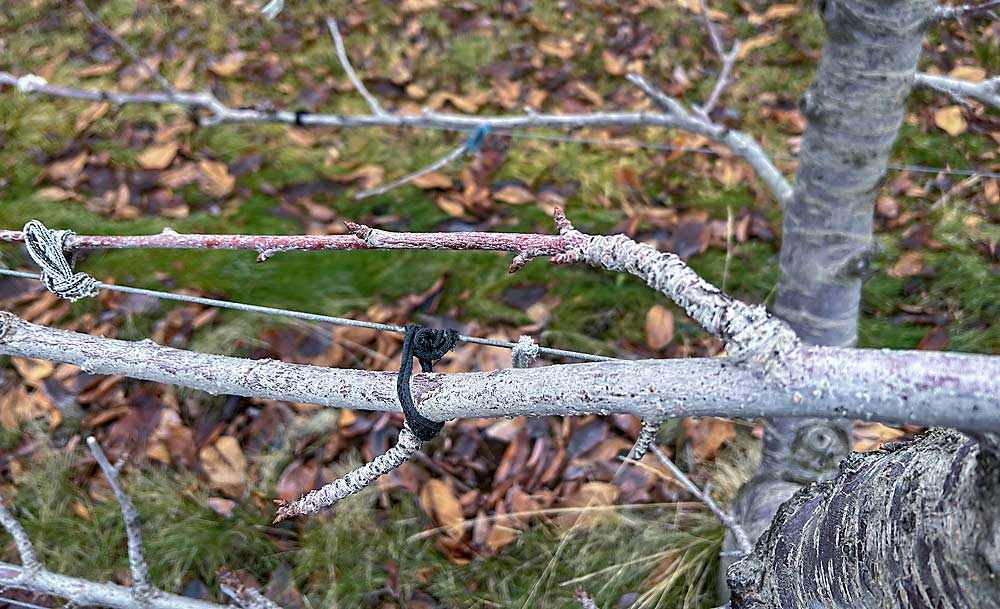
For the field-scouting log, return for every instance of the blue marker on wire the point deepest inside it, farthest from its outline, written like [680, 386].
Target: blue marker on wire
[476, 138]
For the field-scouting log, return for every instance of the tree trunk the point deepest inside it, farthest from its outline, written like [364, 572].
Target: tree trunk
[911, 525]
[853, 111]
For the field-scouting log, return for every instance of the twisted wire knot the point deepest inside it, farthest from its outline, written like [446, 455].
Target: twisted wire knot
[45, 246]
[427, 345]
[525, 352]
[30, 83]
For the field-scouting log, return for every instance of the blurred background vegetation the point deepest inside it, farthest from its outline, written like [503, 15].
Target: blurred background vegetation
[133, 170]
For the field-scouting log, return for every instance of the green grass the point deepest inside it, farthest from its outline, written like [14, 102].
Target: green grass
[667, 553]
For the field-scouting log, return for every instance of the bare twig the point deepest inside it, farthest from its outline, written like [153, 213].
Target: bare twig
[24, 548]
[647, 435]
[142, 583]
[986, 92]
[444, 161]
[586, 601]
[737, 141]
[272, 9]
[246, 598]
[675, 117]
[125, 46]
[86, 593]
[942, 13]
[33, 577]
[728, 61]
[738, 533]
[353, 483]
[345, 61]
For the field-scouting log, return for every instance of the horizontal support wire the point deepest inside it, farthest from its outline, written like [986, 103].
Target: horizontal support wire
[622, 143]
[315, 317]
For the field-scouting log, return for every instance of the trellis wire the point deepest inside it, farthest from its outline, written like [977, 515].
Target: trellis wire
[623, 143]
[314, 317]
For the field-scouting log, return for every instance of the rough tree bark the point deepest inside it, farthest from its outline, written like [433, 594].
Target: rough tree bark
[911, 525]
[853, 111]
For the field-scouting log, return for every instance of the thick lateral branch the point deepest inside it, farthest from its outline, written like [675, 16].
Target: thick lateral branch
[986, 92]
[929, 388]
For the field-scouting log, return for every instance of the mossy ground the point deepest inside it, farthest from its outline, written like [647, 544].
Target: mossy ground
[342, 560]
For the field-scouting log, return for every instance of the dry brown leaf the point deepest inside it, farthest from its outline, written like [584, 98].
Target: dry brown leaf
[33, 371]
[54, 194]
[728, 172]
[225, 465]
[185, 75]
[90, 114]
[82, 512]
[416, 91]
[399, 72]
[98, 69]
[159, 156]
[909, 264]
[230, 64]
[157, 451]
[970, 73]
[559, 47]
[757, 42]
[431, 180]
[439, 501]
[991, 192]
[695, 7]
[514, 195]
[774, 13]
[613, 64]
[466, 103]
[451, 206]
[17, 406]
[590, 495]
[301, 137]
[659, 327]
[950, 119]
[67, 169]
[502, 533]
[870, 436]
[216, 178]
[708, 435]
[179, 176]
[508, 92]
[367, 176]
[414, 6]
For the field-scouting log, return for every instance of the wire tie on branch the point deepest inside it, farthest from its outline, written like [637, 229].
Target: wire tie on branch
[29, 82]
[524, 352]
[476, 138]
[45, 246]
[428, 346]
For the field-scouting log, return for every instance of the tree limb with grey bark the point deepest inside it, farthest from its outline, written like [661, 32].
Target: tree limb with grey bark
[911, 525]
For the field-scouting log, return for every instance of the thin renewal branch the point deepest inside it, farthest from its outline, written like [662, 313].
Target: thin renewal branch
[675, 116]
[986, 92]
[31, 576]
[142, 583]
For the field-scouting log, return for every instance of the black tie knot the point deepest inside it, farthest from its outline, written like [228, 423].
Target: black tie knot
[428, 346]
